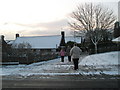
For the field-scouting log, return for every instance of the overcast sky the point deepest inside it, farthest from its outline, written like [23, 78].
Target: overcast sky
[40, 17]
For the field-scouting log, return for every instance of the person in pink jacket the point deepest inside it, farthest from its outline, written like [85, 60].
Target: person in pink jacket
[62, 54]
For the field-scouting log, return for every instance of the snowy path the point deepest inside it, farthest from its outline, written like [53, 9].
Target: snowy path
[105, 63]
[52, 67]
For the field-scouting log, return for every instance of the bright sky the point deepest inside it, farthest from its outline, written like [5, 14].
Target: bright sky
[39, 17]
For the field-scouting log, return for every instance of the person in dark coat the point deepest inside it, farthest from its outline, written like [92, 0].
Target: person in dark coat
[68, 53]
[75, 54]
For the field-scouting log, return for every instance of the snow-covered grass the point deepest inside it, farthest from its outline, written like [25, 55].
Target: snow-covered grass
[104, 63]
[110, 58]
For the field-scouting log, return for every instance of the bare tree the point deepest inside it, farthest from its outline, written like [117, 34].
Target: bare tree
[90, 20]
[89, 17]
[98, 35]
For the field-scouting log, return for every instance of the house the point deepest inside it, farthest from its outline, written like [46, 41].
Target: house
[117, 29]
[45, 42]
[4, 50]
[117, 24]
[116, 40]
[42, 47]
[26, 50]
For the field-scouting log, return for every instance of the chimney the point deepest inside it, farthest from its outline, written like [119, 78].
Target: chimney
[62, 33]
[62, 43]
[17, 35]
[2, 37]
[116, 29]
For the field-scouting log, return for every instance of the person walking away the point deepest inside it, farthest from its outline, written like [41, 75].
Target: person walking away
[68, 53]
[75, 54]
[62, 54]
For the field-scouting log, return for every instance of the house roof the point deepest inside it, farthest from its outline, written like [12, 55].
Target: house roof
[44, 41]
[116, 39]
[9, 41]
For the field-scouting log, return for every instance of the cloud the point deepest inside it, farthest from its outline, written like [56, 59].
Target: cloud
[36, 29]
[49, 28]
[49, 25]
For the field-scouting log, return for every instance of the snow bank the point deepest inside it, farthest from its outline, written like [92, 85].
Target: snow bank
[110, 58]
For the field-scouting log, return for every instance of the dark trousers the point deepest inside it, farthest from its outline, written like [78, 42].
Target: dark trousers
[69, 58]
[62, 58]
[75, 61]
